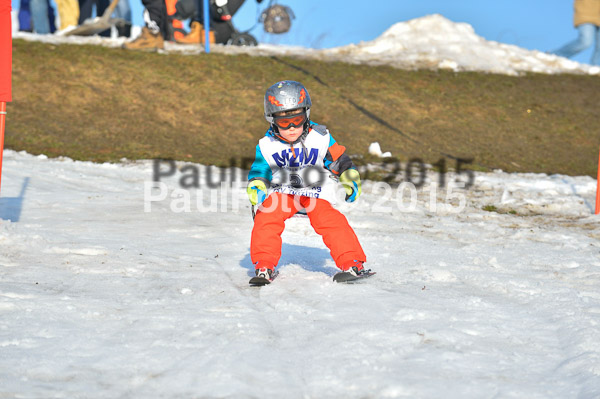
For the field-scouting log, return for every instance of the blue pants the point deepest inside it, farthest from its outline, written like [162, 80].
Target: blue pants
[25, 17]
[123, 10]
[587, 34]
[42, 16]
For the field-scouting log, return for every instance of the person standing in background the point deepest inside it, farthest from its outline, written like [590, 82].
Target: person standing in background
[42, 16]
[221, 29]
[587, 22]
[25, 17]
[123, 11]
[176, 25]
[86, 10]
[68, 12]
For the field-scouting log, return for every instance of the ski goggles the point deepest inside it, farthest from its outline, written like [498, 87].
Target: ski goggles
[285, 122]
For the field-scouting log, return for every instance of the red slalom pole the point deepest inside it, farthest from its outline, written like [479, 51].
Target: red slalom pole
[598, 187]
[2, 124]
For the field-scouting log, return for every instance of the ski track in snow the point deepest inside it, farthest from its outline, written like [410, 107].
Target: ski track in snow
[101, 299]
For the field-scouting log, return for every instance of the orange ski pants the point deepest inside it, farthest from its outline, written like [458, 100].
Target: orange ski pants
[327, 221]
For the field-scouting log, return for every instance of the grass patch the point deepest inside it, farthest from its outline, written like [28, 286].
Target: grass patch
[490, 208]
[504, 211]
[102, 104]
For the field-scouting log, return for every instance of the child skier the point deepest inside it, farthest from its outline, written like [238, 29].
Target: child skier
[282, 180]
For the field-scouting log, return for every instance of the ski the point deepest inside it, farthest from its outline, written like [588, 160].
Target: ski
[260, 281]
[341, 277]
[345, 277]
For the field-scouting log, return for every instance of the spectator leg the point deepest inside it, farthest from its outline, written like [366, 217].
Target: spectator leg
[39, 16]
[596, 55]
[583, 41]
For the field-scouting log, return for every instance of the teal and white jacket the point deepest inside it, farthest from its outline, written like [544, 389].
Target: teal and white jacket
[309, 167]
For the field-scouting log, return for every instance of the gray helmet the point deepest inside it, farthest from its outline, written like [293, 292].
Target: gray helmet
[286, 95]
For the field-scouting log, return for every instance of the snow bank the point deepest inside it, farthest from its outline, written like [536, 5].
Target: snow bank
[435, 42]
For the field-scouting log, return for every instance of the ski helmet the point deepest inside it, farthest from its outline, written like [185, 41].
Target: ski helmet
[286, 95]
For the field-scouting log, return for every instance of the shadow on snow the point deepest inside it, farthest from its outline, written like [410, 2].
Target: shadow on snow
[11, 207]
[309, 258]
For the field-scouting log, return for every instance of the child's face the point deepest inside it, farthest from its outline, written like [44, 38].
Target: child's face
[285, 122]
[292, 133]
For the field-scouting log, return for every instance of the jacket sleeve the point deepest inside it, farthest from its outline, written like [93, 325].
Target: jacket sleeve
[336, 159]
[260, 169]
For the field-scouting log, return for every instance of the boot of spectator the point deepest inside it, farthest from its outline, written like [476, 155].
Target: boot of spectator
[147, 41]
[197, 35]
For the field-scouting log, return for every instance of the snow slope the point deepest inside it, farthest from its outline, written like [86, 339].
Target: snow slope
[429, 42]
[99, 298]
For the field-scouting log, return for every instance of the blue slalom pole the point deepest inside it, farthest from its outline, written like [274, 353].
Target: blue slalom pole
[206, 27]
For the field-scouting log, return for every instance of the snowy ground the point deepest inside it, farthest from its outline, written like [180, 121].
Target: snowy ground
[429, 42]
[101, 299]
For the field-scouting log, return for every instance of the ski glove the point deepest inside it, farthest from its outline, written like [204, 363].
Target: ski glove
[257, 191]
[350, 179]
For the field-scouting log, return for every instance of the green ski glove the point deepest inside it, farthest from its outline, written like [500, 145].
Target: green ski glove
[257, 191]
[350, 179]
